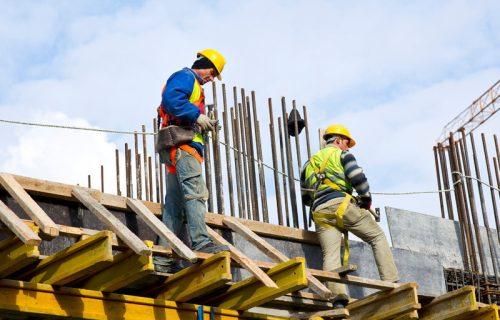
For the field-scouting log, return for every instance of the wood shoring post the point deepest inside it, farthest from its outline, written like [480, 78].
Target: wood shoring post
[18, 227]
[111, 221]
[161, 230]
[273, 253]
[243, 260]
[29, 205]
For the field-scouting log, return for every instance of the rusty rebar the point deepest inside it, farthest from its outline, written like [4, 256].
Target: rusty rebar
[127, 171]
[238, 167]
[306, 127]
[275, 164]
[137, 160]
[262, 178]
[219, 186]
[250, 155]
[102, 178]
[492, 191]
[299, 160]
[208, 166]
[150, 168]
[438, 176]
[444, 170]
[244, 158]
[283, 169]
[145, 159]
[228, 151]
[117, 159]
[157, 164]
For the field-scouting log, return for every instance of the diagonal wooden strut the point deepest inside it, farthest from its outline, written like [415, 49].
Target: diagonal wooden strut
[111, 221]
[161, 230]
[273, 253]
[17, 226]
[243, 260]
[29, 205]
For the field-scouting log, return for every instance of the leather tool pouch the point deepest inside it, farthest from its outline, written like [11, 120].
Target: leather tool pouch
[173, 136]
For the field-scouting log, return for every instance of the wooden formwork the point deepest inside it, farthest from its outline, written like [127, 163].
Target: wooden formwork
[110, 274]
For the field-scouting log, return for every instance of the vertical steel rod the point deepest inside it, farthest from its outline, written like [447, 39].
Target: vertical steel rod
[228, 151]
[208, 167]
[275, 164]
[283, 169]
[497, 149]
[219, 187]
[262, 178]
[127, 171]
[299, 160]
[444, 170]
[495, 162]
[138, 177]
[306, 126]
[102, 178]
[89, 182]
[441, 204]
[483, 209]
[492, 191]
[157, 163]
[150, 161]
[145, 154]
[117, 157]
[238, 165]
[250, 155]
[291, 179]
[245, 158]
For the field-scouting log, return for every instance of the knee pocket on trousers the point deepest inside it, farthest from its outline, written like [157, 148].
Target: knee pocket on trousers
[194, 188]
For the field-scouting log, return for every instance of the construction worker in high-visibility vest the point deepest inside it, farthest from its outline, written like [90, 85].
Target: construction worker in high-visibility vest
[183, 105]
[328, 180]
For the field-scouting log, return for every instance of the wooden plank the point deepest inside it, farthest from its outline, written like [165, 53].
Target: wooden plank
[29, 205]
[161, 230]
[75, 262]
[111, 221]
[198, 280]
[126, 268]
[15, 255]
[61, 191]
[386, 305]
[331, 314]
[289, 276]
[458, 304]
[17, 226]
[273, 253]
[243, 260]
[19, 298]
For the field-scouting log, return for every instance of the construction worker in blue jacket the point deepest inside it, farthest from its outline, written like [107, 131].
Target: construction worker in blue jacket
[183, 104]
[328, 180]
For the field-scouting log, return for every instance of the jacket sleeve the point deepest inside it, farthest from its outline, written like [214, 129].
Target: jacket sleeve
[354, 173]
[175, 97]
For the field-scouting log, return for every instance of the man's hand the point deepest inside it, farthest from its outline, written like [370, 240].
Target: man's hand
[365, 201]
[206, 123]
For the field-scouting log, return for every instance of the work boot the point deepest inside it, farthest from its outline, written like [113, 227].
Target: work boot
[212, 248]
[166, 265]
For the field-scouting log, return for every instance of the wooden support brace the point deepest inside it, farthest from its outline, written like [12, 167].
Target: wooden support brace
[29, 205]
[15, 255]
[243, 260]
[23, 299]
[273, 253]
[198, 280]
[18, 227]
[161, 230]
[74, 262]
[289, 276]
[111, 221]
[126, 268]
[458, 304]
[386, 305]
[330, 314]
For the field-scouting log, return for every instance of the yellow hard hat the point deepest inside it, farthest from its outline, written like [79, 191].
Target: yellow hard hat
[338, 129]
[216, 58]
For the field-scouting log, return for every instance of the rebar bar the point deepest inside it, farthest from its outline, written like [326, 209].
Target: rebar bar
[299, 160]
[137, 160]
[238, 167]
[208, 166]
[306, 127]
[444, 170]
[117, 159]
[492, 191]
[283, 169]
[262, 178]
[250, 155]
[275, 164]
[102, 178]
[219, 186]
[157, 163]
[145, 159]
[438, 176]
[228, 151]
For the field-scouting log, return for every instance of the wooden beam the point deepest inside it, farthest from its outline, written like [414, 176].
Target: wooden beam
[243, 260]
[16, 255]
[18, 227]
[161, 230]
[198, 280]
[75, 262]
[126, 268]
[458, 304]
[63, 192]
[330, 314]
[273, 253]
[385, 305]
[289, 276]
[29, 205]
[111, 221]
[19, 298]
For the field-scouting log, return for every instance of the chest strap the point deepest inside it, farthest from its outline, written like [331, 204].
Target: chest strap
[322, 219]
[173, 152]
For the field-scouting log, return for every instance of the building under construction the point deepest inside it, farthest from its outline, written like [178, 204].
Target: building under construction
[76, 252]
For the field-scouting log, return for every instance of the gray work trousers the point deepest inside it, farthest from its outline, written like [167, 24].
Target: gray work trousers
[360, 223]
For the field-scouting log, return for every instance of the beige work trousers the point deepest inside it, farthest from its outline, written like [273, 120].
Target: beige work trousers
[359, 222]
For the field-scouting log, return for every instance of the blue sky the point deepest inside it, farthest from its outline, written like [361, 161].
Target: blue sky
[394, 72]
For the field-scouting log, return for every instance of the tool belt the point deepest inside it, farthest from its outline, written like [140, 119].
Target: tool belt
[173, 136]
[320, 218]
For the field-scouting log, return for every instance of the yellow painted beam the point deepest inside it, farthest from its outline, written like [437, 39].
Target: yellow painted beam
[486, 313]
[289, 276]
[198, 279]
[75, 262]
[15, 255]
[387, 304]
[19, 298]
[458, 304]
[126, 268]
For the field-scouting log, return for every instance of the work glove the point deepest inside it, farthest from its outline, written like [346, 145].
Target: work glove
[206, 123]
[365, 201]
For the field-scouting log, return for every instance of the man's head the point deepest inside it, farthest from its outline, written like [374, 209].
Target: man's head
[209, 65]
[339, 136]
